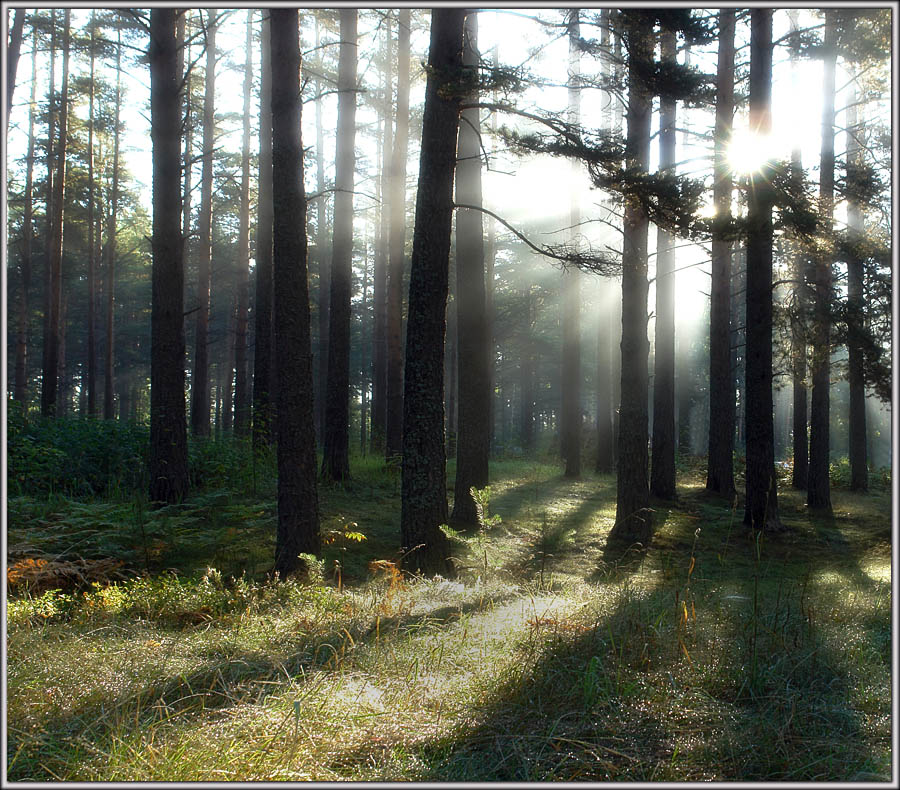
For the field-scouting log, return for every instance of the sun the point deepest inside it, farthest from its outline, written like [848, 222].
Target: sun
[748, 152]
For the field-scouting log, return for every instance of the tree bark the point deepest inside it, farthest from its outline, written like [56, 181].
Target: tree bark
[298, 510]
[761, 510]
[200, 375]
[241, 388]
[51, 372]
[336, 438]
[12, 58]
[111, 241]
[397, 200]
[662, 470]
[168, 429]
[526, 375]
[720, 459]
[423, 478]
[633, 517]
[263, 373]
[92, 260]
[323, 269]
[818, 491]
[473, 342]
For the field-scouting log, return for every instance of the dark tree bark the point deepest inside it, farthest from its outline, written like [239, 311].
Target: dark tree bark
[570, 304]
[241, 388]
[450, 359]
[12, 58]
[379, 274]
[397, 200]
[720, 465]
[473, 343]
[818, 491]
[605, 462]
[188, 143]
[322, 265]
[363, 384]
[92, 258]
[48, 210]
[111, 241]
[20, 392]
[298, 510]
[423, 478]
[336, 437]
[526, 375]
[51, 365]
[200, 375]
[761, 507]
[168, 428]
[662, 470]
[859, 474]
[263, 374]
[633, 517]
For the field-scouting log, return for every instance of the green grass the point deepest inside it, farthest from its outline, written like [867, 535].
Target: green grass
[714, 656]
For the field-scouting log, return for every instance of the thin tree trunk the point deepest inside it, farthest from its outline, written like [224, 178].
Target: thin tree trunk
[200, 375]
[188, 146]
[241, 394]
[363, 384]
[48, 210]
[526, 371]
[168, 428]
[12, 58]
[450, 369]
[761, 512]
[423, 478]
[111, 240]
[818, 493]
[298, 510]
[263, 373]
[322, 265]
[92, 261]
[570, 304]
[633, 517]
[662, 469]
[22, 338]
[605, 463]
[51, 367]
[336, 449]
[473, 340]
[397, 201]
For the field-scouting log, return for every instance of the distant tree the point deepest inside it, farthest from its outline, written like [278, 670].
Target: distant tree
[473, 347]
[168, 428]
[298, 509]
[423, 478]
[335, 451]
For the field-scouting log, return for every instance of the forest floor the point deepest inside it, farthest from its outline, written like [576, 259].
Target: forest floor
[715, 655]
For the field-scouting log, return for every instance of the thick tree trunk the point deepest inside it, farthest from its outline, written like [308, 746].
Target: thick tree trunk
[168, 429]
[241, 388]
[322, 265]
[720, 459]
[51, 366]
[298, 510]
[20, 392]
[818, 492]
[48, 209]
[570, 304]
[12, 58]
[633, 517]
[200, 374]
[336, 438]
[423, 479]
[263, 373]
[761, 512]
[111, 241]
[859, 474]
[397, 200]
[450, 360]
[662, 470]
[473, 343]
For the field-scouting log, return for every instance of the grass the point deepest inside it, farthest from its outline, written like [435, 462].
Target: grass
[714, 656]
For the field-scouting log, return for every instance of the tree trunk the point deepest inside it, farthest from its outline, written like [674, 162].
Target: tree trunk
[336, 450]
[111, 238]
[394, 419]
[526, 371]
[570, 304]
[21, 374]
[818, 492]
[200, 374]
[12, 58]
[662, 470]
[720, 466]
[363, 384]
[450, 358]
[323, 294]
[298, 510]
[263, 373]
[241, 389]
[48, 210]
[92, 260]
[423, 479]
[50, 376]
[859, 474]
[168, 429]
[379, 274]
[761, 511]
[605, 463]
[473, 342]
[633, 517]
